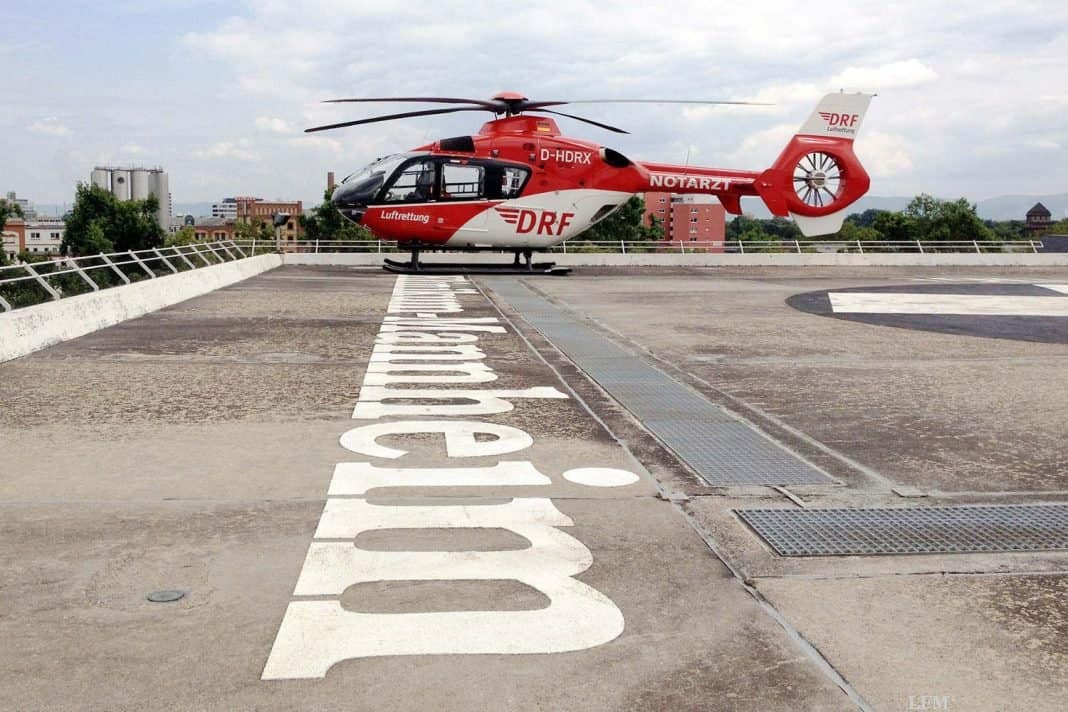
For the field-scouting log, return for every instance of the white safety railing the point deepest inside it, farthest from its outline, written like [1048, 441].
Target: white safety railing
[687, 247]
[28, 283]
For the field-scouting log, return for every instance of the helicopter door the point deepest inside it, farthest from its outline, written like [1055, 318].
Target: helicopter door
[463, 189]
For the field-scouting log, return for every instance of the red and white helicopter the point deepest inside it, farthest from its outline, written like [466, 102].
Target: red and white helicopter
[519, 185]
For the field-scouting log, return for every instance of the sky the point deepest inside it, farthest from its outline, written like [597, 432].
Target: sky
[972, 96]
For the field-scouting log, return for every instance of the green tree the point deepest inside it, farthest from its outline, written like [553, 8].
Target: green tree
[851, 232]
[9, 210]
[1057, 228]
[100, 222]
[946, 220]
[185, 236]
[627, 223]
[324, 222]
[254, 229]
[896, 227]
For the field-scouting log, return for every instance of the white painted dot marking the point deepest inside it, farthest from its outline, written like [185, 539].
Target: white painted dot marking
[600, 477]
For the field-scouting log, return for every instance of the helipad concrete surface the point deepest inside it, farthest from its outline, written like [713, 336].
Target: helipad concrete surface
[512, 536]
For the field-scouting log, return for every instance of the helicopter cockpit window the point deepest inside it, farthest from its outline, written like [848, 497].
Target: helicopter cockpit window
[417, 183]
[504, 182]
[462, 181]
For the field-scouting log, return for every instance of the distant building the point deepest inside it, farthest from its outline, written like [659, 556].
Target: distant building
[34, 236]
[213, 229]
[180, 221]
[688, 218]
[28, 211]
[14, 237]
[44, 236]
[1039, 218]
[137, 183]
[255, 210]
[227, 208]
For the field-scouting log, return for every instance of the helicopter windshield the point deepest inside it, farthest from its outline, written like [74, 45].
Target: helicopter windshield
[380, 169]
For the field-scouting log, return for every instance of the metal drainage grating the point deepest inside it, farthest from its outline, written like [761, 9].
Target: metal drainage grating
[721, 449]
[923, 530]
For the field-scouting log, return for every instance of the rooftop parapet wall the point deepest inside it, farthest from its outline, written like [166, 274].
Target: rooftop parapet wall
[26, 330]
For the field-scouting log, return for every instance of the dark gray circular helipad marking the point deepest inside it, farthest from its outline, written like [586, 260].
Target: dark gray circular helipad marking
[166, 596]
[1043, 329]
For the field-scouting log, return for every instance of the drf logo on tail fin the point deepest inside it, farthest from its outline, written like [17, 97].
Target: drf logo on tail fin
[840, 123]
[544, 222]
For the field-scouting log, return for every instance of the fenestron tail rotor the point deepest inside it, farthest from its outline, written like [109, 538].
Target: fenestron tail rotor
[506, 103]
[817, 179]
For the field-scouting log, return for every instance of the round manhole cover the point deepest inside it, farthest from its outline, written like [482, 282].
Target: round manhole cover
[166, 596]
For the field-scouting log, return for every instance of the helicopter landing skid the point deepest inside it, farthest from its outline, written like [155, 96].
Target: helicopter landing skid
[473, 268]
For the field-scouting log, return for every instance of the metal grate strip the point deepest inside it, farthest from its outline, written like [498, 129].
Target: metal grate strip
[921, 530]
[721, 449]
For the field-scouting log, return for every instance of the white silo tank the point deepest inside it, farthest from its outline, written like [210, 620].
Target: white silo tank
[139, 184]
[101, 178]
[160, 187]
[120, 184]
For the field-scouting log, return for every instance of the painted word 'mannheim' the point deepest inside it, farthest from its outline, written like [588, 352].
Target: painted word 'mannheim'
[428, 375]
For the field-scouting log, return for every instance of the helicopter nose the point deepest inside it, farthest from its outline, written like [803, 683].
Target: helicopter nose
[349, 201]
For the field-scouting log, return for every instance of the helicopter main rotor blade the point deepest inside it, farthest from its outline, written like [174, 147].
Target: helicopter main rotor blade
[537, 104]
[585, 121]
[420, 99]
[391, 117]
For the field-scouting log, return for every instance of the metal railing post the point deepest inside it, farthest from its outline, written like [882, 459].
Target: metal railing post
[977, 250]
[185, 259]
[798, 246]
[253, 247]
[224, 248]
[564, 245]
[860, 247]
[682, 247]
[741, 247]
[115, 268]
[215, 252]
[143, 265]
[41, 280]
[623, 247]
[237, 249]
[316, 247]
[4, 303]
[920, 246]
[165, 260]
[197, 251]
[74, 265]
[1033, 248]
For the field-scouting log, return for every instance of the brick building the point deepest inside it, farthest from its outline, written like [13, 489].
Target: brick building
[213, 229]
[255, 210]
[14, 237]
[688, 218]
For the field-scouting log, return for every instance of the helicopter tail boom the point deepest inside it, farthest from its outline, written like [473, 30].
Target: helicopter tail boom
[818, 176]
[814, 179]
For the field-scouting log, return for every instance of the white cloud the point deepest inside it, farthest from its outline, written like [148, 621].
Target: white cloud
[957, 85]
[895, 75]
[238, 150]
[272, 124]
[50, 126]
[318, 143]
[883, 155]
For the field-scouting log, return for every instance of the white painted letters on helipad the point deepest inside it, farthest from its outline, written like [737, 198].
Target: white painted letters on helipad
[460, 438]
[358, 478]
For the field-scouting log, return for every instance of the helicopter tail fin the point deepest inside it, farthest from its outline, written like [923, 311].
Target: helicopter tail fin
[817, 176]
